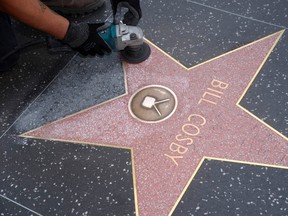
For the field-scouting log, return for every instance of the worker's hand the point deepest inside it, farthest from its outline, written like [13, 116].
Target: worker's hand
[85, 39]
[134, 13]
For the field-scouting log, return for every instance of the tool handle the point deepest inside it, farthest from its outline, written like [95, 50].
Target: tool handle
[109, 35]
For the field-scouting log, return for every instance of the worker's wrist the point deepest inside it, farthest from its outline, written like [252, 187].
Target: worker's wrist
[76, 34]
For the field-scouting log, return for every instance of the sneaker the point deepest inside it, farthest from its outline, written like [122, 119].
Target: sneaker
[74, 6]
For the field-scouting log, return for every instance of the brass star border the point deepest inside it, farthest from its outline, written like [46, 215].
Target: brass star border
[277, 34]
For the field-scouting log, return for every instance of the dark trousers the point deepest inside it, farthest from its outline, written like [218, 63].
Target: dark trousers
[8, 43]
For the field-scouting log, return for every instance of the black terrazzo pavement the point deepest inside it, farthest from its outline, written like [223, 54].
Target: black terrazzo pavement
[267, 98]
[8, 208]
[54, 178]
[193, 33]
[229, 188]
[271, 12]
[57, 178]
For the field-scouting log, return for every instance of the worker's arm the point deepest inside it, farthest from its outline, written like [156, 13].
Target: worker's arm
[37, 15]
[82, 37]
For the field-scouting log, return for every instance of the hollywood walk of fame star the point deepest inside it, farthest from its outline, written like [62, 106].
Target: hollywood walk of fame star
[206, 122]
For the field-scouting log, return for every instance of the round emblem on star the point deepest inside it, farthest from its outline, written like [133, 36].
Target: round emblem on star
[153, 103]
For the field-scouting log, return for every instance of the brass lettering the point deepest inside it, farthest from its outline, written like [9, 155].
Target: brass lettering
[199, 116]
[174, 147]
[211, 94]
[190, 132]
[195, 122]
[173, 158]
[206, 101]
[184, 139]
[218, 84]
[210, 89]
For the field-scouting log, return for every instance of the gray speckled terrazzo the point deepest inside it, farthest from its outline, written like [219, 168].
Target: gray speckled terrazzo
[83, 83]
[35, 70]
[20, 86]
[228, 188]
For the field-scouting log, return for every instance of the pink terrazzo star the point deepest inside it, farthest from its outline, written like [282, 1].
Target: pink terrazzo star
[207, 122]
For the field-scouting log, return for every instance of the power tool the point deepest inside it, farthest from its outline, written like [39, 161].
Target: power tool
[129, 40]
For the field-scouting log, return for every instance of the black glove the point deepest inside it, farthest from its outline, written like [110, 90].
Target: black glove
[85, 39]
[134, 13]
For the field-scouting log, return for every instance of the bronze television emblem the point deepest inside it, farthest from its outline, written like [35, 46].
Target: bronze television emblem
[153, 103]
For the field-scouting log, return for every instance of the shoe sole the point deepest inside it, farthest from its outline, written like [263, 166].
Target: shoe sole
[87, 9]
